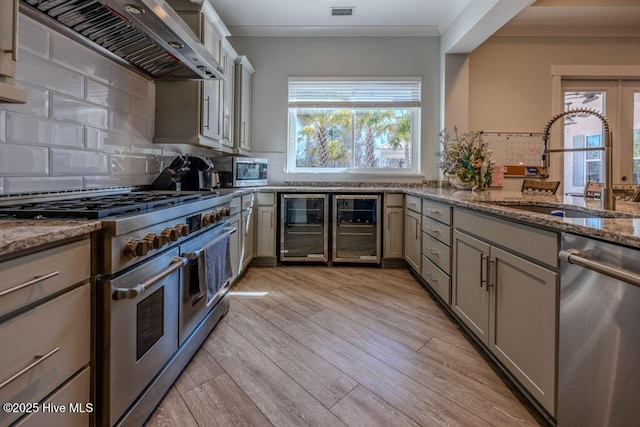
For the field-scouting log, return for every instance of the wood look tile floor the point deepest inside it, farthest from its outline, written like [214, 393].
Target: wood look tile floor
[338, 346]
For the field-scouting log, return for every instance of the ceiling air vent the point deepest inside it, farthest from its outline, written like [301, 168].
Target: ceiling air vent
[342, 11]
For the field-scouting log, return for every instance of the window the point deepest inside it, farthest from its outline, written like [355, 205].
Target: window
[354, 124]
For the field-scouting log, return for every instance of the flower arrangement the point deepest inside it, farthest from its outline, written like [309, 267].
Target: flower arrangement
[465, 159]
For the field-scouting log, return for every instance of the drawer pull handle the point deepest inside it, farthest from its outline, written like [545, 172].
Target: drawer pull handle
[431, 229]
[39, 360]
[133, 292]
[431, 210]
[433, 252]
[29, 283]
[433, 279]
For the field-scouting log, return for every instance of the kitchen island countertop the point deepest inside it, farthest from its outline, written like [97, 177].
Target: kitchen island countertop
[18, 235]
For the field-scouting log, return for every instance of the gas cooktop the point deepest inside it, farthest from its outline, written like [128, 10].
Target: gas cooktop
[101, 206]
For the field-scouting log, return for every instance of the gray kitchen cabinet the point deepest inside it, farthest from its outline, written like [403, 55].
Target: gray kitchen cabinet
[234, 244]
[412, 232]
[436, 247]
[46, 328]
[243, 81]
[266, 227]
[192, 112]
[505, 284]
[393, 247]
[247, 226]
[9, 93]
[226, 113]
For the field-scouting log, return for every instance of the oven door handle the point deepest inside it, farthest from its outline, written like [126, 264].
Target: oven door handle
[195, 254]
[133, 292]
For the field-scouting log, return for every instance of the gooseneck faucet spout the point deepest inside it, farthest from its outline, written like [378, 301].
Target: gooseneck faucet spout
[607, 199]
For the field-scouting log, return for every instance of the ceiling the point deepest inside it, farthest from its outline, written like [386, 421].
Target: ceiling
[461, 24]
[313, 17]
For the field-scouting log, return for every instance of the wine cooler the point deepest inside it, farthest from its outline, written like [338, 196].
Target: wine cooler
[304, 224]
[356, 228]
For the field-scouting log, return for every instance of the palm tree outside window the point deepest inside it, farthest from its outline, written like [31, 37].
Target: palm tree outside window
[354, 124]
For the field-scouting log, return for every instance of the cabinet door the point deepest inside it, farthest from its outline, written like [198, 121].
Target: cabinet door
[225, 114]
[234, 244]
[210, 99]
[245, 110]
[393, 242]
[8, 37]
[470, 283]
[265, 245]
[412, 239]
[211, 39]
[523, 322]
[247, 237]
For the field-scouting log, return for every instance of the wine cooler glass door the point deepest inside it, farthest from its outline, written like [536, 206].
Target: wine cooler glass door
[356, 231]
[303, 232]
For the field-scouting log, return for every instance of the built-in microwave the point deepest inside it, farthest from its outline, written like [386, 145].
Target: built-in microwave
[241, 171]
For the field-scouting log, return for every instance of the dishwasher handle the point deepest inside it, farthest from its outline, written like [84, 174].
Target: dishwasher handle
[574, 256]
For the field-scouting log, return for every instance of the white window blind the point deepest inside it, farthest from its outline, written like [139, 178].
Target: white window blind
[388, 93]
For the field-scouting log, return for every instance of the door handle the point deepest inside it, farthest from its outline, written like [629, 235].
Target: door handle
[208, 115]
[483, 270]
[491, 273]
[39, 360]
[29, 283]
[133, 292]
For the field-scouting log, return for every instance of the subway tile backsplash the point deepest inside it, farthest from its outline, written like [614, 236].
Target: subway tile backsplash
[88, 122]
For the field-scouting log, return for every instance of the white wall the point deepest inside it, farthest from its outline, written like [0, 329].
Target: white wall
[88, 122]
[275, 59]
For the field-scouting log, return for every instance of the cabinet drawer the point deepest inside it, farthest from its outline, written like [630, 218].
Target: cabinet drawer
[59, 330]
[30, 278]
[394, 199]
[247, 201]
[540, 245]
[437, 252]
[266, 199]
[436, 279]
[76, 391]
[436, 210]
[412, 203]
[437, 229]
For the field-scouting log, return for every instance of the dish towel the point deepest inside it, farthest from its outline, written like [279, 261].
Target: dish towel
[215, 268]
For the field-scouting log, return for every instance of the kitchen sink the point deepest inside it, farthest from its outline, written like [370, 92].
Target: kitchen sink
[568, 212]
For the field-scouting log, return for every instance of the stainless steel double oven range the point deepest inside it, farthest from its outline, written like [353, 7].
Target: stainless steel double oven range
[148, 320]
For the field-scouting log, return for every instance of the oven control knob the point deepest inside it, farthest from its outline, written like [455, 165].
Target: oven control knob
[136, 248]
[210, 218]
[154, 241]
[225, 212]
[170, 234]
[182, 229]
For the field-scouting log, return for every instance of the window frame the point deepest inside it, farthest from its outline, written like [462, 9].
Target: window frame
[415, 112]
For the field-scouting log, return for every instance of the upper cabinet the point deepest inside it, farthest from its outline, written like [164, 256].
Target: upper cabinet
[193, 112]
[244, 76]
[9, 93]
[226, 113]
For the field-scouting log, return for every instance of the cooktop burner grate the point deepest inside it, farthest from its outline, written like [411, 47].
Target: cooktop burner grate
[98, 207]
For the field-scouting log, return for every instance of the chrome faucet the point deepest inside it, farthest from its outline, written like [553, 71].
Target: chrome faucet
[607, 199]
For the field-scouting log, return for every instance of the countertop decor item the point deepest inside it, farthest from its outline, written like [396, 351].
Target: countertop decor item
[465, 160]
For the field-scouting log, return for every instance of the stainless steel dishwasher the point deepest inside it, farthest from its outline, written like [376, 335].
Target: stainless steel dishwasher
[599, 340]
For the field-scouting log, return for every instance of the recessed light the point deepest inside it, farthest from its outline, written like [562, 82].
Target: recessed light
[133, 9]
[342, 11]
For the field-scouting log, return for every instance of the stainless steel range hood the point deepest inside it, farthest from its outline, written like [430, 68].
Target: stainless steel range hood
[147, 36]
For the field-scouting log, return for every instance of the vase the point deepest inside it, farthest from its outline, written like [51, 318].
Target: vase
[458, 183]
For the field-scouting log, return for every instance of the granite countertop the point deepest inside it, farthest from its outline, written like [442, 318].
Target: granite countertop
[18, 235]
[624, 231]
